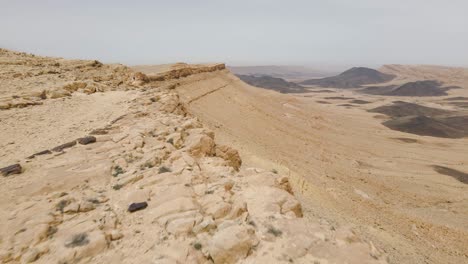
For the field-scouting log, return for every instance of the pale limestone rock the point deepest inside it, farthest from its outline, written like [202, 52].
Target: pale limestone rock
[227, 223]
[121, 162]
[171, 104]
[108, 221]
[5, 105]
[239, 207]
[215, 206]
[30, 256]
[59, 93]
[137, 196]
[90, 89]
[73, 87]
[175, 139]
[181, 226]
[298, 246]
[72, 208]
[232, 244]
[119, 137]
[137, 142]
[200, 145]
[139, 79]
[95, 243]
[191, 123]
[177, 205]
[115, 235]
[40, 233]
[283, 183]
[164, 220]
[205, 225]
[230, 155]
[228, 186]
[272, 201]
[86, 206]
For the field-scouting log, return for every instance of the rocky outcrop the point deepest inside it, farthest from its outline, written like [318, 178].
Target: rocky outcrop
[183, 70]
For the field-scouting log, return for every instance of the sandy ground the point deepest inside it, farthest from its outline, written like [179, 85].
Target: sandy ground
[348, 167]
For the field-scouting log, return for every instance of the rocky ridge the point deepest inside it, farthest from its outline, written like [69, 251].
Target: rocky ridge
[151, 186]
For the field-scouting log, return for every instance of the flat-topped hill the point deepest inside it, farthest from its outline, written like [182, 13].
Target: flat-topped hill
[352, 78]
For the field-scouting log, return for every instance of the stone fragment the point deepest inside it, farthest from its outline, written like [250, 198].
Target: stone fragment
[44, 152]
[12, 169]
[86, 140]
[115, 235]
[137, 206]
[64, 146]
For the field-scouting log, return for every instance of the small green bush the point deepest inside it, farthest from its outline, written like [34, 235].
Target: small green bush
[274, 231]
[117, 171]
[163, 169]
[197, 246]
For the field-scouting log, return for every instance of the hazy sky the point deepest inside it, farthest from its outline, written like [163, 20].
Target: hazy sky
[250, 32]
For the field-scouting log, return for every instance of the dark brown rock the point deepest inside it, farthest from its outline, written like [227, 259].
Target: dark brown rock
[44, 152]
[12, 169]
[64, 146]
[86, 140]
[137, 206]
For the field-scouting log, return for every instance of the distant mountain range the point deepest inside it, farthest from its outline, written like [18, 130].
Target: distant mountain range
[289, 73]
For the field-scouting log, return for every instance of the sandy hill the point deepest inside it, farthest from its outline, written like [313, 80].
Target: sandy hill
[104, 164]
[352, 78]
